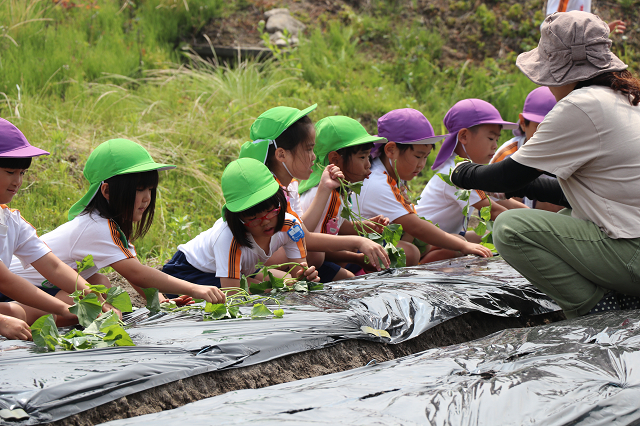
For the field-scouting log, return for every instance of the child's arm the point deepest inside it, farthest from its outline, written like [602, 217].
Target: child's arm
[325, 242]
[24, 292]
[496, 208]
[429, 233]
[328, 182]
[511, 203]
[147, 277]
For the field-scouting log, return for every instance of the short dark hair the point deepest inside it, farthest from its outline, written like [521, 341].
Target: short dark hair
[15, 162]
[122, 198]
[526, 123]
[294, 135]
[402, 147]
[238, 229]
[347, 152]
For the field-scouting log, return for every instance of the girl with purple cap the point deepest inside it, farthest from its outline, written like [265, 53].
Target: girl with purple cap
[536, 106]
[18, 237]
[586, 256]
[474, 128]
[411, 139]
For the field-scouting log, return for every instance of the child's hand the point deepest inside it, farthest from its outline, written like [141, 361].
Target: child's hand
[309, 274]
[374, 252]
[330, 177]
[209, 294]
[107, 307]
[617, 26]
[14, 328]
[183, 300]
[378, 223]
[477, 249]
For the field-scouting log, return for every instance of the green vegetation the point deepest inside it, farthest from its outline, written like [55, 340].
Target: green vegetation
[73, 76]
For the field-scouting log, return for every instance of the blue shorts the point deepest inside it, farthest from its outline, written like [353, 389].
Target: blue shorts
[179, 267]
[328, 271]
[51, 291]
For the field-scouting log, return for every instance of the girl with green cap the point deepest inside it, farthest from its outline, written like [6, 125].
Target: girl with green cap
[345, 143]
[117, 209]
[254, 225]
[283, 138]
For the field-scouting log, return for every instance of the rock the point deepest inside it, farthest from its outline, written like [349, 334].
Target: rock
[284, 21]
[269, 13]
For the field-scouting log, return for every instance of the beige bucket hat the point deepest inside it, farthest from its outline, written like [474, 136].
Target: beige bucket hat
[574, 46]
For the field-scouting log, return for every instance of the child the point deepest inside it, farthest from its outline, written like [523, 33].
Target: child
[283, 138]
[474, 127]
[254, 224]
[117, 209]
[345, 143]
[536, 106]
[411, 139]
[18, 237]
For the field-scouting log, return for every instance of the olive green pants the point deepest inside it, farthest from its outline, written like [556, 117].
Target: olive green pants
[569, 259]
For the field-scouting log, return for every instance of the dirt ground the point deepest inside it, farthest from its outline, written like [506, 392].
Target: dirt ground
[340, 357]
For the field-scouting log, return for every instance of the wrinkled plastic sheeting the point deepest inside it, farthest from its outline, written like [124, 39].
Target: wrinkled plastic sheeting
[584, 371]
[170, 347]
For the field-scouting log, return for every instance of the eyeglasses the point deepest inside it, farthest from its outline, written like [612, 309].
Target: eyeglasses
[258, 220]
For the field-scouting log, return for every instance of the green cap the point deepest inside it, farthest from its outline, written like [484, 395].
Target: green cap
[332, 134]
[246, 182]
[268, 127]
[112, 158]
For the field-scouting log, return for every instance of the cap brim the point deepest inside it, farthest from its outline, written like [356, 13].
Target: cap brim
[253, 199]
[299, 115]
[536, 118]
[447, 148]
[146, 167]
[24, 152]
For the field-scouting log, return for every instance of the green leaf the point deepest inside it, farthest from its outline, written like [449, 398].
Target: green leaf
[375, 237]
[392, 233]
[234, 312]
[313, 286]
[98, 288]
[485, 213]
[260, 311]
[278, 313]
[85, 263]
[217, 311]
[45, 332]
[459, 159]
[488, 245]
[275, 282]
[118, 335]
[463, 194]
[244, 285]
[119, 299]
[489, 225]
[488, 239]
[356, 187]
[422, 246]
[87, 309]
[199, 300]
[445, 178]
[301, 286]
[480, 229]
[465, 211]
[345, 213]
[259, 288]
[153, 303]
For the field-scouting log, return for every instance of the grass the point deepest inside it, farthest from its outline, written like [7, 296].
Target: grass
[73, 78]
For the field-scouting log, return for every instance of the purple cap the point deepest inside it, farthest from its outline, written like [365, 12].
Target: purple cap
[538, 104]
[467, 113]
[14, 144]
[405, 125]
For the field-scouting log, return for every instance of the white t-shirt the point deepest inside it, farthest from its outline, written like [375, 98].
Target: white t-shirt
[70, 242]
[439, 204]
[18, 238]
[330, 221]
[590, 141]
[216, 250]
[380, 195]
[294, 198]
[505, 151]
[567, 6]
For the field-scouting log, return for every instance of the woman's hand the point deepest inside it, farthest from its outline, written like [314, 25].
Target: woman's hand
[477, 249]
[330, 177]
[208, 293]
[374, 252]
[14, 328]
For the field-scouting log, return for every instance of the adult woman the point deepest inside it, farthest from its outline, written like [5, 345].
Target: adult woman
[590, 255]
